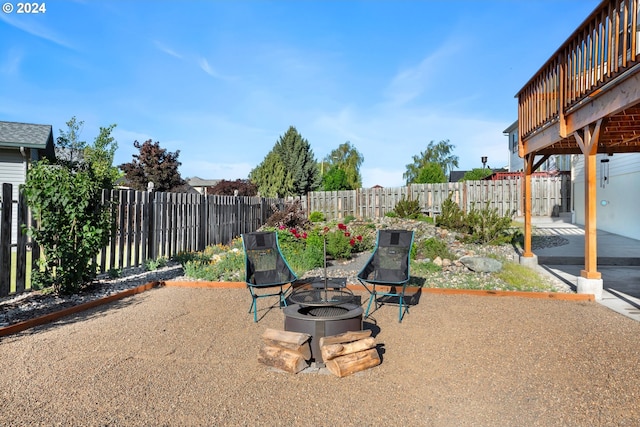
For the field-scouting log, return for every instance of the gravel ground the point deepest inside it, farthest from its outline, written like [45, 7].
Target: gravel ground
[33, 304]
[188, 357]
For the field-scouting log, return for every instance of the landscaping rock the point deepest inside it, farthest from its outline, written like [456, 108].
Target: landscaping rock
[481, 264]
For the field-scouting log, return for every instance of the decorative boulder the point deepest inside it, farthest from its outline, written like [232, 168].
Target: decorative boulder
[481, 264]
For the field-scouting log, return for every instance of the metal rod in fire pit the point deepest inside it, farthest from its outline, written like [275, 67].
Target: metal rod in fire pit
[324, 251]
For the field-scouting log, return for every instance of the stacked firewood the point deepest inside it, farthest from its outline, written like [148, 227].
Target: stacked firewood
[284, 350]
[343, 354]
[349, 352]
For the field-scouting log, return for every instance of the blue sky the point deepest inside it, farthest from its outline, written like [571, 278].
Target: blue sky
[221, 81]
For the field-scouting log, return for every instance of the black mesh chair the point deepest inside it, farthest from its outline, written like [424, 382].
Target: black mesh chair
[265, 267]
[388, 267]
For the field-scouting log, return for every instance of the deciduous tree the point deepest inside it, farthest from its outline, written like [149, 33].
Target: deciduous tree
[347, 158]
[476, 174]
[440, 153]
[153, 164]
[335, 180]
[431, 173]
[244, 187]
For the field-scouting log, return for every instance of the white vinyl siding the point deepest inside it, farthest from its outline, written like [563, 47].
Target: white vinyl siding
[618, 201]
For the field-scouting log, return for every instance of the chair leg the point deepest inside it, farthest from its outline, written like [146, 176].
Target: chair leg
[254, 308]
[372, 296]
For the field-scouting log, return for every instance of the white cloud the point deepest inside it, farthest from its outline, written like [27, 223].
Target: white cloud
[412, 82]
[32, 27]
[167, 50]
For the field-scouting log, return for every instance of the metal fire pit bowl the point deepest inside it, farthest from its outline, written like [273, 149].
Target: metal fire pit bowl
[322, 293]
[322, 321]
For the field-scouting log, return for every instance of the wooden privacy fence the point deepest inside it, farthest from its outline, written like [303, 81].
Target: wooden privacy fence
[550, 195]
[145, 226]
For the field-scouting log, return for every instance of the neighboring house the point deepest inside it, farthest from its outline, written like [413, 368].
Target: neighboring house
[516, 163]
[455, 176]
[200, 185]
[20, 145]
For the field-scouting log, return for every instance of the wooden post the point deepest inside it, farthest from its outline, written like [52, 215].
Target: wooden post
[588, 142]
[5, 239]
[526, 193]
[21, 251]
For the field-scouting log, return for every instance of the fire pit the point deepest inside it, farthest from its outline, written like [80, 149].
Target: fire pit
[322, 308]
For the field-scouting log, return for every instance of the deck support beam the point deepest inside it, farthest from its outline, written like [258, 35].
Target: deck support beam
[590, 280]
[528, 258]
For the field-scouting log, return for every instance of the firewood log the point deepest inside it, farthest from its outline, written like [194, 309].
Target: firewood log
[331, 351]
[295, 341]
[345, 337]
[282, 358]
[351, 363]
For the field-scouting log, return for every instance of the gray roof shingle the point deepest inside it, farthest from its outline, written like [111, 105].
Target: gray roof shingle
[14, 134]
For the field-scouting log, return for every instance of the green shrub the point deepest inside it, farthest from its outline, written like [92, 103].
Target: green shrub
[347, 219]
[293, 216]
[154, 264]
[431, 248]
[114, 273]
[302, 250]
[316, 216]
[338, 245]
[391, 214]
[72, 225]
[452, 217]
[486, 226]
[407, 208]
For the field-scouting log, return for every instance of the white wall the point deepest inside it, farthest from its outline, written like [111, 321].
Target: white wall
[618, 202]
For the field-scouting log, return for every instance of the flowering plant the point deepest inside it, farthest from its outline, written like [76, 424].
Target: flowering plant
[342, 242]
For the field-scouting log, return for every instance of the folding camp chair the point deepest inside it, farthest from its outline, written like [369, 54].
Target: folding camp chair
[389, 267]
[265, 267]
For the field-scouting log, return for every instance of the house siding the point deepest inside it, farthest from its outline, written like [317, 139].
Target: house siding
[618, 201]
[13, 170]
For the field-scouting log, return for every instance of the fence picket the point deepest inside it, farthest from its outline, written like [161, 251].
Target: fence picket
[151, 225]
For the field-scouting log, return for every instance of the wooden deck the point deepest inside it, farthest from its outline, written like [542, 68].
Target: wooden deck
[585, 100]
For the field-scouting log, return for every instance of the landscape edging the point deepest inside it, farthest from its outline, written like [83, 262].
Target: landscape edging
[51, 317]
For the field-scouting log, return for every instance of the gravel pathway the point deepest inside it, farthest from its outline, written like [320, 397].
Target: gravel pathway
[188, 357]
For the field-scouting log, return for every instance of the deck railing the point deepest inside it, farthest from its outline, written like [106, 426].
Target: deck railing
[602, 48]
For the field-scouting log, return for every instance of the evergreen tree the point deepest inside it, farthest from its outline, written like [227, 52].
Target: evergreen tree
[153, 164]
[347, 158]
[297, 156]
[299, 173]
[272, 177]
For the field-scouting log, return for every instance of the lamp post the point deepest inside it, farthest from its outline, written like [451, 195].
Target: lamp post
[484, 162]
